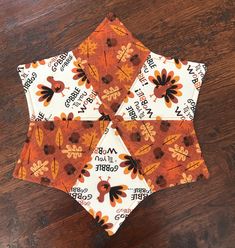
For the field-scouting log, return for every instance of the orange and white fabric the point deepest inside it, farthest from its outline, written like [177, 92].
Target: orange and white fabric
[111, 123]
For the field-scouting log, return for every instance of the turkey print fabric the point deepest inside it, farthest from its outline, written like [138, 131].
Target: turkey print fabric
[111, 123]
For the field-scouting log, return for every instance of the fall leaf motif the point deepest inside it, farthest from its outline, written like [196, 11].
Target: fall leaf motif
[31, 126]
[151, 185]
[80, 63]
[129, 125]
[39, 168]
[87, 47]
[119, 30]
[90, 140]
[124, 53]
[39, 136]
[151, 168]
[143, 150]
[198, 149]
[111, 93]
[54, 168]
[59, 138]
[28, 155]
[186, 179]
[94, 72]
[171, 139]
[147, 131]
[193, 165]
[22, 172]
[140, 46]
[73, 151]
[179, 152]
[124, 72]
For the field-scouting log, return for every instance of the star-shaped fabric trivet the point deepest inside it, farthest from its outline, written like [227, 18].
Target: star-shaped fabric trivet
[111, 122]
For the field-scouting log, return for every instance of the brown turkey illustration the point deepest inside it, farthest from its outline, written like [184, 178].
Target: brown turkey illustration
[166, 86]
[47, 93]
[115, 192]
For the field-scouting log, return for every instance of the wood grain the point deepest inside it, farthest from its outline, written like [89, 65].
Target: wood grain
[200, 215]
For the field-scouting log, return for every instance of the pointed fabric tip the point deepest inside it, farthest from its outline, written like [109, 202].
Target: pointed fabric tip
[113, 60]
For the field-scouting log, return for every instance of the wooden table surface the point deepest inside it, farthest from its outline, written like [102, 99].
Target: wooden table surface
[191, 216]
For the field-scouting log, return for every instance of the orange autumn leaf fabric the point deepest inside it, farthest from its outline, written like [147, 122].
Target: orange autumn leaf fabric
[56, 153]
[166, 152]
[114, 58]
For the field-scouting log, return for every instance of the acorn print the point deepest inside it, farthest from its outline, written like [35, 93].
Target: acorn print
[111, 42]
[49, 149]
[158, 153]
[74, 138]
[87, 124]
[49, 125]
[45, 180]
[115, 106]
[136, 137]
[165, 125]
[135, 60]
[161, 181]
[70, 169]
[107, 79]
[188, 140]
